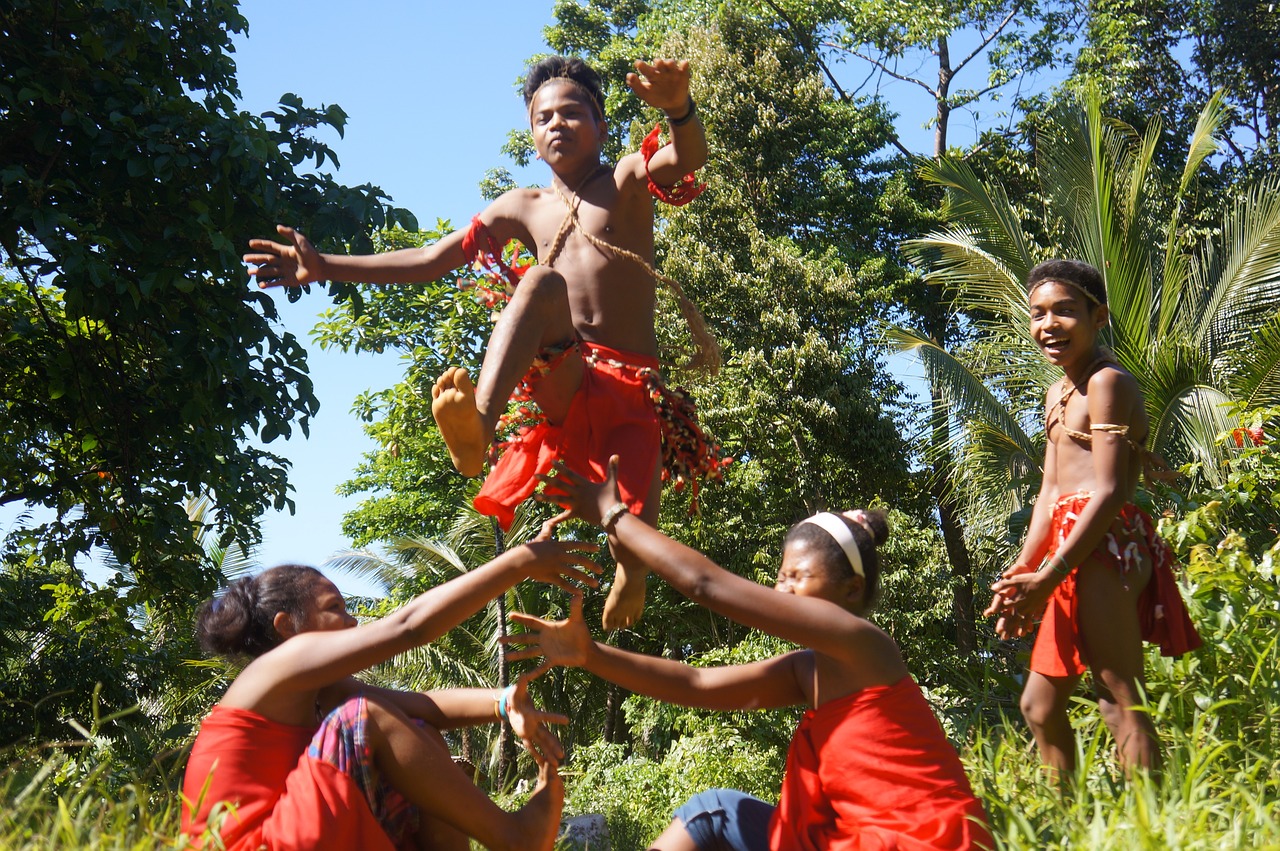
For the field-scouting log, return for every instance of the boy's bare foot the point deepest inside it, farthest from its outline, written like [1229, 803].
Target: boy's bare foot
[539, 819]
[625, 603]
[453, 404]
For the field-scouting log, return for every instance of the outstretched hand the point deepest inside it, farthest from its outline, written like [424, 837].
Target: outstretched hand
[556, 562]
[663, 84]
[579, 496]
[291, 265]
[530, 724]
[565, 643]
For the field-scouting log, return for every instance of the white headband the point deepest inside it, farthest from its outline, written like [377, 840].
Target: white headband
[838, 529]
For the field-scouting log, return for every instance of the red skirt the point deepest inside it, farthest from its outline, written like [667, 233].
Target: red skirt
[1162, 616]
[611, 414]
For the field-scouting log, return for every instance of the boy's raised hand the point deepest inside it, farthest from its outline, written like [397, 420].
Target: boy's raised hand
[292, 265]
[663, 84]
[565, 643]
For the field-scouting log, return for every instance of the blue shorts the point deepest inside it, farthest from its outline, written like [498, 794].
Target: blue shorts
[727, 820]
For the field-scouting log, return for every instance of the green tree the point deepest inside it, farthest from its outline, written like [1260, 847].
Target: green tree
[137, 363]
[1195, 320]
[142, 363]
[1164, 59]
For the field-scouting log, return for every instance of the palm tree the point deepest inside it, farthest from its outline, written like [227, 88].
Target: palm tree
[1196, 320]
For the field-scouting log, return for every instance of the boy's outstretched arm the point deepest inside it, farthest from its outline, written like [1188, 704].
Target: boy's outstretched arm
[664, 85]
[297, 262]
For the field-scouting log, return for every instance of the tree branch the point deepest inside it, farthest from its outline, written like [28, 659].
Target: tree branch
[986, 41]
[887, 70]
[807, 46]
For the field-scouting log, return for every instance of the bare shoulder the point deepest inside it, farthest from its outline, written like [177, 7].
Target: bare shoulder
[1115, 382]
[513, 203]
[630, 174]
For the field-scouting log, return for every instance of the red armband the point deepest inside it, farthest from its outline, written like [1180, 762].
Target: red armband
[489, 255]
[677, 194]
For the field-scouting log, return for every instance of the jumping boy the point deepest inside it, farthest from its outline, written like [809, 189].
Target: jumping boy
[1092, 563]
[578, 332]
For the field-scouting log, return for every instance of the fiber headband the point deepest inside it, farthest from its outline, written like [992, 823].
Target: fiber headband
[1040, 283]
[838, 529]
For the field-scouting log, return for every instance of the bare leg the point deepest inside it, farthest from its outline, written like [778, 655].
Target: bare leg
[1112, 638]
[674, 838]
[625, 602]
[1044, 706]
[537, 316]
[418, 764]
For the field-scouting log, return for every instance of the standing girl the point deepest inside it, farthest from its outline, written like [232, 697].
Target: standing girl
[869, 765]
[1092, 561]
[299, 755]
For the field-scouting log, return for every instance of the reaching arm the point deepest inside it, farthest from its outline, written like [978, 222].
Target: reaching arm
[759, 685]
[312, 660]
[297, 262]
[814, 623]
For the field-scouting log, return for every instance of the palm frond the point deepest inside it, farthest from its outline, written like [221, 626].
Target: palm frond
[1204, 139]
[995, 477]
[1188, 428]
[1235, 279]
[1176, 296]
[1253, 371]
[985, 207]
[968, 397]
[974, 277]
[365, 565]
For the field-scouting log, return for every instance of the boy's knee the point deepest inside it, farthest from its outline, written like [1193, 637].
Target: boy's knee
[1036, 711]
[542, 283]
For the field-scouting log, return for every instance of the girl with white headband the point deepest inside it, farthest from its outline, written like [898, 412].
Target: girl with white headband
[869, 765]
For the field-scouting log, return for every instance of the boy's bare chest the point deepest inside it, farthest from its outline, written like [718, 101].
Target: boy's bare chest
[564, 226]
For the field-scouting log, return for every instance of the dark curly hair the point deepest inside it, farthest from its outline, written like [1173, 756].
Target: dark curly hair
[572, 70]
[240, 622]
[1076, 273]
[820, 540]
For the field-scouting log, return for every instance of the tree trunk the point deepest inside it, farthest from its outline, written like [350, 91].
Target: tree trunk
[937, 325]
[506, 743]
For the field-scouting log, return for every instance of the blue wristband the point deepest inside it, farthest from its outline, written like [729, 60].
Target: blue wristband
[504, 700]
